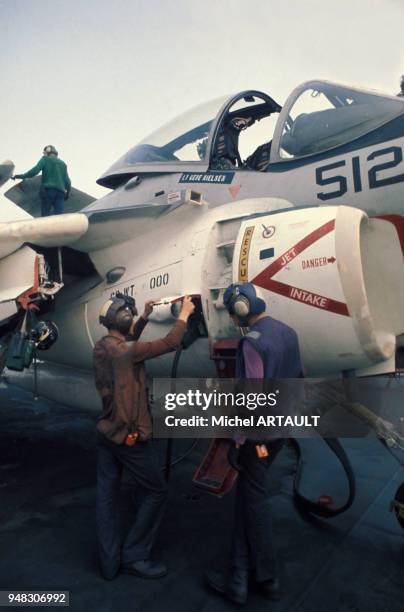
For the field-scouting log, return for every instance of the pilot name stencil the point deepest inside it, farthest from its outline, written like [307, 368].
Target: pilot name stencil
[207, 177]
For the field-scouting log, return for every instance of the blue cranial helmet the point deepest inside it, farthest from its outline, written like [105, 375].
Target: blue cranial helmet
[242, 300]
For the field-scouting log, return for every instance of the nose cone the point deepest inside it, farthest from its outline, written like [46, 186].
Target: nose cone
[6, 171]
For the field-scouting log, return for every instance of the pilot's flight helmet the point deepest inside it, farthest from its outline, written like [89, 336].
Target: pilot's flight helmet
[50, 150]
[243, 300]
[118, 312]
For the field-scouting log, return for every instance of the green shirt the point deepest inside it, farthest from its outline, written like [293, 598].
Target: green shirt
[54, 173]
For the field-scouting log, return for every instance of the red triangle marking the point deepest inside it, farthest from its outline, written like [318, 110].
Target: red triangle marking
[234, 189]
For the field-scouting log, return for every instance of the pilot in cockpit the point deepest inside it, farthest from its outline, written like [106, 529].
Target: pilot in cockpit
[227, 155]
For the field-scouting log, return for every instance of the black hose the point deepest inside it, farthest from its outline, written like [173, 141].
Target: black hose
[170, 462]
[317, 508]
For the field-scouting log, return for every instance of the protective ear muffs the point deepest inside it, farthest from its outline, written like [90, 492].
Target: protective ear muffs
[241, 306]
[103, 316]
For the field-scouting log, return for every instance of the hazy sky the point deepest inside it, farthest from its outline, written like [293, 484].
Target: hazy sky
[94, 77]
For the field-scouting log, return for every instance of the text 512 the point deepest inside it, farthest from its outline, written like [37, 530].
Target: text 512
[393, 157]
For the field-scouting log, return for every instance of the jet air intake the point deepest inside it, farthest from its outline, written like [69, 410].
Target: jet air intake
[334, 275]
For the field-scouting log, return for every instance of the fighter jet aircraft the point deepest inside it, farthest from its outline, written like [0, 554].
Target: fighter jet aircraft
[305, 201]
[312, 215]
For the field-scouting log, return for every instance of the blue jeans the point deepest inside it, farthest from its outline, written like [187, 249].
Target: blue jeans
[52, 198]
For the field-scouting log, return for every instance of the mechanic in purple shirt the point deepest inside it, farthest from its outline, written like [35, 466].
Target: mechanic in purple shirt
[269, 350]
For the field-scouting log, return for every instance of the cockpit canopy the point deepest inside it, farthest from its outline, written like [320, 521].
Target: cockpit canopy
[317, 116]
[186, 143]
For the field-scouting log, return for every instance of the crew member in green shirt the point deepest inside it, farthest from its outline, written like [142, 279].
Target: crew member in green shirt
[55, 186]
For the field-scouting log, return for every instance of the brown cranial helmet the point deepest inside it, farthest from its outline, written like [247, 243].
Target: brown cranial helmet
[118, 312]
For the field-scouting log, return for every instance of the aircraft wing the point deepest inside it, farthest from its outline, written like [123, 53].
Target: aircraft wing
[111, 226]
[23, 275]
[26, 195]
[22, 264]
[53, 231]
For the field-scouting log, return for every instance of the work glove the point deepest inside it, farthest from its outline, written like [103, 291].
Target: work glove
[67, 193]
[16, 176]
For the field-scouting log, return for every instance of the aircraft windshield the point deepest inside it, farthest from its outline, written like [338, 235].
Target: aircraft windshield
[182, 139]
[324, 116]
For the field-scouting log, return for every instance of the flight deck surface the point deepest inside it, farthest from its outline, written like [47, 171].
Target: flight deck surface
[47, 531]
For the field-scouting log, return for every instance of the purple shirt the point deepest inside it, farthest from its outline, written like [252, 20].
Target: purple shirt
[254, 368]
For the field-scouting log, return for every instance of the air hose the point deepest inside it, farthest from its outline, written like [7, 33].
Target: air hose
[170, 462]
[322, 508]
